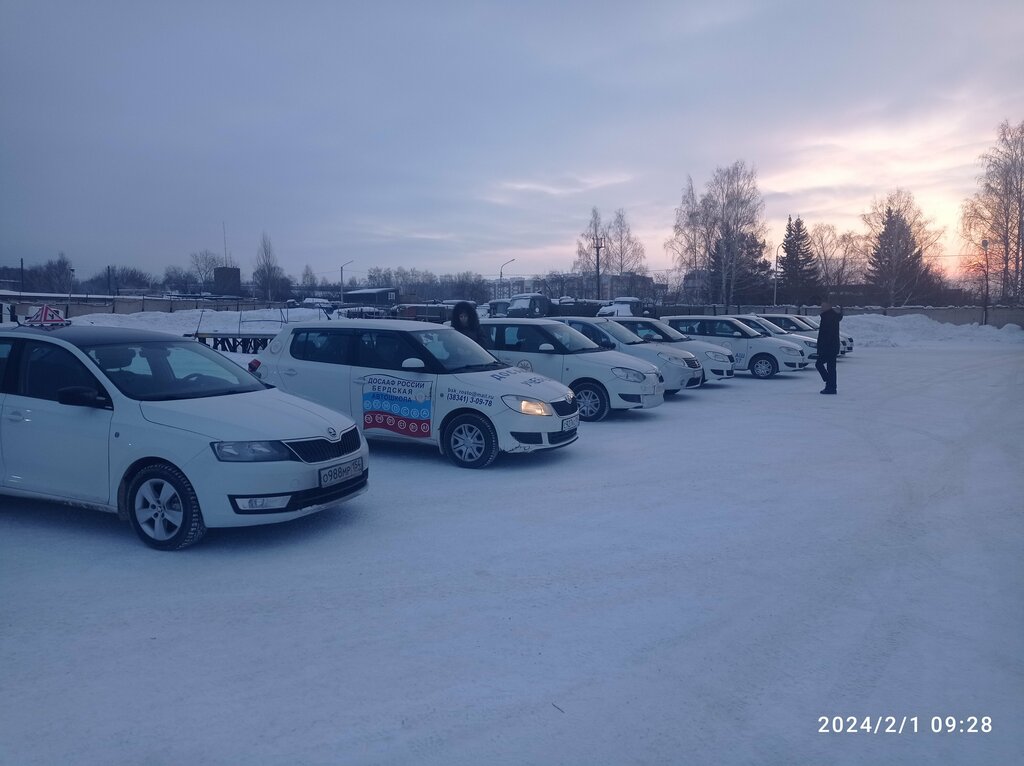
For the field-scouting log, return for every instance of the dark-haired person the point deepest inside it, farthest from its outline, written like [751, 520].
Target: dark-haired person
[828, 344]
[466, 321]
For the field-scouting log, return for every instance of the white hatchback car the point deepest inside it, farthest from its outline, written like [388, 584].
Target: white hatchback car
[717, 361]
[762, 356]
[602, 380]
[807, 325]
[808, 344]
[165, 432]
[421, 382]
[680, 369]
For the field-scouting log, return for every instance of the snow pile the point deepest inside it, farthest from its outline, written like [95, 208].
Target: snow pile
[199, 320]
[880, 330]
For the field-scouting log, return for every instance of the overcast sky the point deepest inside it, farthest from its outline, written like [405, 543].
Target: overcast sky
[453, 136]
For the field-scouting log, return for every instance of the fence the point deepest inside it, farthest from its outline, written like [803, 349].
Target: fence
[998, 316]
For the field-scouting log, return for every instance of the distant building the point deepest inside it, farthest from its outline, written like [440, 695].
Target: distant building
[371, 296]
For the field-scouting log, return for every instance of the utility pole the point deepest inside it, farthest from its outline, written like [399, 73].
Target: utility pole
[341, 275]
[598, 244]
[984, 248]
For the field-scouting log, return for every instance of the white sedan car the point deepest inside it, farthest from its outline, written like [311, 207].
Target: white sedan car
[717, 361]
[680, 369]
[423, 383]
[165, 432]
[602, 380]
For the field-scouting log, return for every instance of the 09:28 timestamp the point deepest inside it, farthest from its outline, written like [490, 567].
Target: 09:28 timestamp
[904, 724]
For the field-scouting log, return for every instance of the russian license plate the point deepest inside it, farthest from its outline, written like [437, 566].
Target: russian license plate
[570, 423]
[336, 474]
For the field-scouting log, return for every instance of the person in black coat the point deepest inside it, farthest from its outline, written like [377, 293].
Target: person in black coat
[466, 321]
[828, 344]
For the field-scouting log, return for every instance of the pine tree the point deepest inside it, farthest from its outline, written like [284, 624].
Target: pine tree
[798, 270]
[895, 266]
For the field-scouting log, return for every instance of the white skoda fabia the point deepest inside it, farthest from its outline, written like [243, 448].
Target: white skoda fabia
[165, 432]
[424, 383]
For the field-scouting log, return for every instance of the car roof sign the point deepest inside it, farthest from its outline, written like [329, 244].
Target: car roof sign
[47, 316]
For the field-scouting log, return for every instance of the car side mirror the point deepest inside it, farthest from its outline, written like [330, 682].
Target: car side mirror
[412, 363]
[606, 344]
[546, 348]
[737, 334]
[81, 396]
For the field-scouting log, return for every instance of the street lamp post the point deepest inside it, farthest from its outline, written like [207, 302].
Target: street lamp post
[775, 277]
[598, 244]
[342, 277]
[501, 278]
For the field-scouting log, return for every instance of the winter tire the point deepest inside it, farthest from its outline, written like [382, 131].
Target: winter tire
[763, 366]
[470, 441]
[593, 401]
[163, 508]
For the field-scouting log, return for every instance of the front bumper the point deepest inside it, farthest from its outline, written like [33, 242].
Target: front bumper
[218, 484]
[528, 433]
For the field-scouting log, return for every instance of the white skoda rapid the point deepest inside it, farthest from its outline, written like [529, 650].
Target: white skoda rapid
[421, 382]
[165, 432]
[603, 380]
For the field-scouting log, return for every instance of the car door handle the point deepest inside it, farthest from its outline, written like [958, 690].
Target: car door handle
[15, 416]
[289, 372]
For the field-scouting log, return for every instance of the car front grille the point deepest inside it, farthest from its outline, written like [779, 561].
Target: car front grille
[319, 450]
[694, 363]
[563, 407]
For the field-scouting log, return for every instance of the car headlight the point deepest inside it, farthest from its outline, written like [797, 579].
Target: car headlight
[627, 374]
[792, 351]
[716, 356]
[810, 344]
[672, 359]
[251, 452]
[526, 406]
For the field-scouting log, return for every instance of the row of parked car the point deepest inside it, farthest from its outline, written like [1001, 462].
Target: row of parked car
[176, 438]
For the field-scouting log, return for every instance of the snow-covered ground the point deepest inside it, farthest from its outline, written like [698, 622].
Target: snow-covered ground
[698, 583]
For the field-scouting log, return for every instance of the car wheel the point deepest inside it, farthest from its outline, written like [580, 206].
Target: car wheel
[593, 402]
[470, 441]
[763, 366]
[164, 509]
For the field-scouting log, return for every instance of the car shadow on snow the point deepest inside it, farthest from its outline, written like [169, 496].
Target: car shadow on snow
[391, 459]
[56, 524]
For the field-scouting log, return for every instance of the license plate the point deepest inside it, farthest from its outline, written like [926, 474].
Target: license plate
[570, 423]
[335, 474]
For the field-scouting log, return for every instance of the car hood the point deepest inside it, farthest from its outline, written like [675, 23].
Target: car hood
[698, 347]
[511, 380]
[255, 416]
[618, 359]
[669, 350]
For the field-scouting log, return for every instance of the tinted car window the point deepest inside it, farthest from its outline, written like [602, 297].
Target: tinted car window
[46, 368]
[327, 346]
[5, 354]
[384, 350]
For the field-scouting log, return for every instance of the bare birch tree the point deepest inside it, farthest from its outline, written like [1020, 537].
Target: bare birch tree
[996, 213]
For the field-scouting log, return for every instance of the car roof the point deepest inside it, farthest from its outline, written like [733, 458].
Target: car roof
[89, 335]
[518, 320]
[402, 325]
[697, 316]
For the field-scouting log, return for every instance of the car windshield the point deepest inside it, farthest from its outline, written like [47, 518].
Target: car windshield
[812, 322]
[159, 370]
[658, 332]
[454, 351]
[751, 326]
[620, 333]
[771, 327]
[574, 341]
[519, 303]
